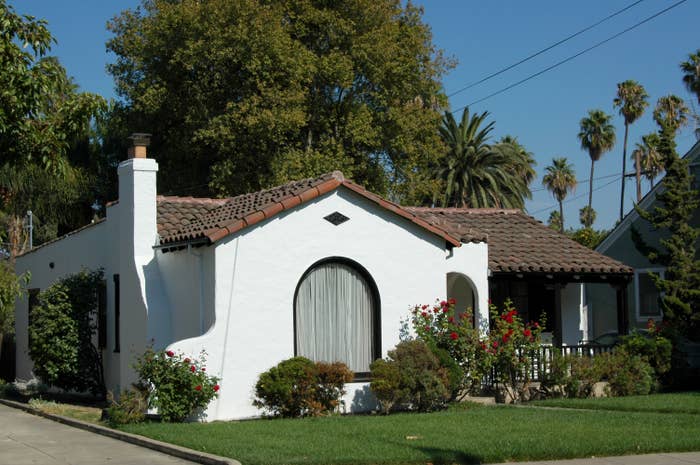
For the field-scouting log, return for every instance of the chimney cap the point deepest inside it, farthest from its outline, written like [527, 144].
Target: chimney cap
[140, 139]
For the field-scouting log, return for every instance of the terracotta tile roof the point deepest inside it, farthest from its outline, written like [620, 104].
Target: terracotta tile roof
[182, 219]
[520, 243]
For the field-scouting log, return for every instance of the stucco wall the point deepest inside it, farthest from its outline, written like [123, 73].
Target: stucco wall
[257, 271]
[89, 248]
[570, 313]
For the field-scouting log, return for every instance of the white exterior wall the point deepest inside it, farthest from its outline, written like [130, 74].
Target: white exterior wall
[472, 261]
[257, 272]
[89, 248]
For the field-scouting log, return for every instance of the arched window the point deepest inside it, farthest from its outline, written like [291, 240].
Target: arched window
[336, 315]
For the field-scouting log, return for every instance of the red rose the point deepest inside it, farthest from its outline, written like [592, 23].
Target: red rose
[427, 328]
[216, 388]
[483, 345]
[443, 303]
[489, 301]
[495, 344]
[527, 333]
[537, 325]
[451, 319]
[424, 307]
[453, 336]
[198, 388]
[437, 310]
[170, 353]
[192, 368]
[204, 369]
[187, 360]
[452, 301]
[424, 314]
[508, 318]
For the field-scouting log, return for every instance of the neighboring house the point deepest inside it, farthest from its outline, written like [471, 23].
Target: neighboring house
[318, 267]
[642, 293]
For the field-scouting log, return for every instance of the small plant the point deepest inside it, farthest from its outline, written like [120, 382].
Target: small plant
[175, 384]
[411, 375]
[298, 387]
[585, 372]
[130, 408]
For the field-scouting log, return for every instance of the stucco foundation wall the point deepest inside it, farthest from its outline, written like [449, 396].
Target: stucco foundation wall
[89, 248]
[257, 272]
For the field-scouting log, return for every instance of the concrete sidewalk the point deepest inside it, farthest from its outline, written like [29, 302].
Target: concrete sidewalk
[27, 439]
[670, 458]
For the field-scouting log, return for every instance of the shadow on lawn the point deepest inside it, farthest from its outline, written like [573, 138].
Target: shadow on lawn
[448, 456]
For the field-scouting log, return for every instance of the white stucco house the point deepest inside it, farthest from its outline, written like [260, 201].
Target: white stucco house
[319, 267]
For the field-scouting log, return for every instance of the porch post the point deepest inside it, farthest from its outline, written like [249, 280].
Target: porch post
[558, 325]
[622, 311]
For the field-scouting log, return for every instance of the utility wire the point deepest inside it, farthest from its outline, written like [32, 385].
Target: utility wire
[572, 198]
[539, 189]
[540, 52]
[566, 60]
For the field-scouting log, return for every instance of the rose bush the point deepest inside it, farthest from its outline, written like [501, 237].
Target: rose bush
[175, 384]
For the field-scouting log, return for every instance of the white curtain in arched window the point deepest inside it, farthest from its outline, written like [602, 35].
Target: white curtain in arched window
[334, 316]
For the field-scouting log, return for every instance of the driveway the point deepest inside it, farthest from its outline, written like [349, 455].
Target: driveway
[29, 439]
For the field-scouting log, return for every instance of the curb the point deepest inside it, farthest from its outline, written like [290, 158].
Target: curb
[164, 447]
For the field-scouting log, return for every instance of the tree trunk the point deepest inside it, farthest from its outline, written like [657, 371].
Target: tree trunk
[590, 195]
[561, 217]
[624, 171]
[638, 174]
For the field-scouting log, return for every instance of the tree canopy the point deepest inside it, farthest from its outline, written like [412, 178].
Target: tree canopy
[242, 94]
[477, 174]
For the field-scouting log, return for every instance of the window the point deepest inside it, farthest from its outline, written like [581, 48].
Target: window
[647, 296]
[336, 315]
[102, 315]
[116, 312]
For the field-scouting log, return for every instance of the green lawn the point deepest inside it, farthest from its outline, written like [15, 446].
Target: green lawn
[686, 402]
[477, 435]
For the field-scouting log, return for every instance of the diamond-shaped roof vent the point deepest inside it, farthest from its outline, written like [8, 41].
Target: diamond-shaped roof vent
[336, 218]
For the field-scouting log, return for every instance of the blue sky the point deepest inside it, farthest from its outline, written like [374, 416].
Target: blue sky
[485, 36]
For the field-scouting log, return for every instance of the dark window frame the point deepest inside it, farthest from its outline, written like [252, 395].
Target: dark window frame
[376, 301]
[117, 316]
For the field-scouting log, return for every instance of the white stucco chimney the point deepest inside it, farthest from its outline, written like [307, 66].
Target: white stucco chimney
[137, 234]
[137, 198]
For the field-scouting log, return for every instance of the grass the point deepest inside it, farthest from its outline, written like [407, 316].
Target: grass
[456, 436]
[685, 402]
[79, 412]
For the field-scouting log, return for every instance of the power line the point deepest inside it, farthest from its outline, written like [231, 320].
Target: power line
[540, 189]
[566, 60]
[546, 49]
[573, 198]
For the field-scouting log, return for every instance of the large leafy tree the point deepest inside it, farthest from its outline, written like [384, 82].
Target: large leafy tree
[678, 201]
[597, 136]
[631, 100]
[477, 174]
[40, 108]
[241, 94]
[560, 179]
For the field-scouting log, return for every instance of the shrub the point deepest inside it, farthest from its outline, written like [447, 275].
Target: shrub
[298, 387]
[422, 384]
[652, 346]
[627, 374]
[62, 331]
[444, 330]
[555, 378]
[174, 384]
[584, 373]
[130, 408]
[512, 344]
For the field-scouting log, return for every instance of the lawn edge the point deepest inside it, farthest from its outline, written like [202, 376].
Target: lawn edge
[142, 441]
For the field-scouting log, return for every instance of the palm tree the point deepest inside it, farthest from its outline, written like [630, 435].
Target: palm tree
[476, 174]
[597, 136]
[631, 100]
[526, 163]
[560, 179]
[671, 113]
[649, 157]
[691, 73]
